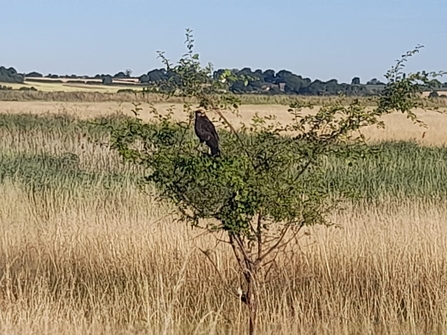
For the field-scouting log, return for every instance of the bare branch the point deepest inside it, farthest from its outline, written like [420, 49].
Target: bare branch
[224, 282]
[273, 247]
[259, 235]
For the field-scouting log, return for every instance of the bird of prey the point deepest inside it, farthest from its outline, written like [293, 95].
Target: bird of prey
[206, 132]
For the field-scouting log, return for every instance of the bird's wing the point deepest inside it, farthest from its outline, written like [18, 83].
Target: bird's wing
[213, 144]
[209, 127]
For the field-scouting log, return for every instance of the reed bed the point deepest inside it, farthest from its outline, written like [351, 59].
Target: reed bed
[85, 250]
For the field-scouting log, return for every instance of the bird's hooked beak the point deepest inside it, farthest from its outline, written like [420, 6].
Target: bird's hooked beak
[200, 113]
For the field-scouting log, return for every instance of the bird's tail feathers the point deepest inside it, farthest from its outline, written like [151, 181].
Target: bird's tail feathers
[215, 151]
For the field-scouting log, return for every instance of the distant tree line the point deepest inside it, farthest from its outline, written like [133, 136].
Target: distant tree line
[257, 82]
[10, 75]
[281, 82]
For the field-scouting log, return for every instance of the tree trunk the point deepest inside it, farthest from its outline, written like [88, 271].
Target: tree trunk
[249, 270]
[252, 300]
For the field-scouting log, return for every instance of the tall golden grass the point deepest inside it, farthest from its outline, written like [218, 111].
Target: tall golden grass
[98, 258]
[119, 264]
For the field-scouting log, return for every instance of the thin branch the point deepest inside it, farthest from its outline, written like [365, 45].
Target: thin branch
[219, 273]
[272, 263]
[236, 254]
[185, 129]
[279, 243]
[259, 235]
[242, 248]
[252, 228]
[273, 247]
[284, 244]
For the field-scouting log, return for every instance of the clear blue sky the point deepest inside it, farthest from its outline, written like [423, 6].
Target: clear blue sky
[319, 39]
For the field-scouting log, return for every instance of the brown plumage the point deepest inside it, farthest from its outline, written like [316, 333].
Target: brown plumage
[206, 132]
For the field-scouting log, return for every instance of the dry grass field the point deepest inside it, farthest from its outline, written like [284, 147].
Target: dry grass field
[67, 87]
[397, 126]
[83, 250]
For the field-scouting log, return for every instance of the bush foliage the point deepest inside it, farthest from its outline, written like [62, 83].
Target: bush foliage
[268, 182]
